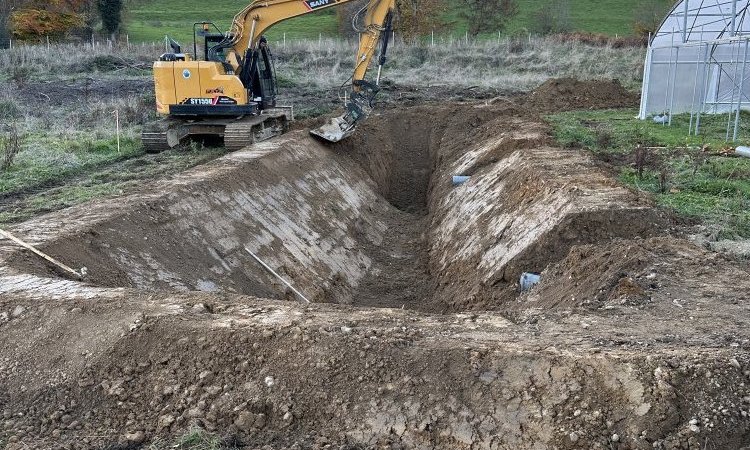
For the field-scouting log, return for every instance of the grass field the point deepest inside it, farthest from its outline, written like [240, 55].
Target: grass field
[149, 21]
[688, 174]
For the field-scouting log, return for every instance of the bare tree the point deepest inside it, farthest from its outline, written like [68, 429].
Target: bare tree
[419, 17]
[649, 14]
[344, 16]
[553, 17]
[483, 16]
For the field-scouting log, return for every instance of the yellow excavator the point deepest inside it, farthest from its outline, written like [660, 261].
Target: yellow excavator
[230, 90]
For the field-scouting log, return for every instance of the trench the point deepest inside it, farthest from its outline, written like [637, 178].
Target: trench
[371, 222]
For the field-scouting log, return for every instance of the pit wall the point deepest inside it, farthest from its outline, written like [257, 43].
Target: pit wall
[524, 207]
[315, 213]
[301, 210]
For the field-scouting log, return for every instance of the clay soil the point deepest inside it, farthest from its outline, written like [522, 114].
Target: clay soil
[418, 335]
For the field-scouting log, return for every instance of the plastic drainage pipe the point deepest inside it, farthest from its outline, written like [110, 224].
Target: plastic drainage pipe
[743, 151]
[529, 280]
[458, 180]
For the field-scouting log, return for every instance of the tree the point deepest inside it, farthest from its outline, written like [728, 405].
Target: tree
[552, 18]
[483, 16]
[419, 17]
[111, 14]
[5, 8]
[33, 19]
[344, 16]
[649, 14]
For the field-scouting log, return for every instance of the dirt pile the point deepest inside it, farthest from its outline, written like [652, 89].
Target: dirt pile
[633, 273]
[627, 343]
[566, 94]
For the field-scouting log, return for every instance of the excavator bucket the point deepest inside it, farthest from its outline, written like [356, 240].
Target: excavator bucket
[337, 129]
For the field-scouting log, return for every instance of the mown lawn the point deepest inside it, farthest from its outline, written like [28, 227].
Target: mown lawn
[692, 175]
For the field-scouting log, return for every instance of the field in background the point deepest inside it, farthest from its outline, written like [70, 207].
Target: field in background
[149, 21]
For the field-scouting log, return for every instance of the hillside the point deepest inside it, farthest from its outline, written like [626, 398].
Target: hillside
[149, 21]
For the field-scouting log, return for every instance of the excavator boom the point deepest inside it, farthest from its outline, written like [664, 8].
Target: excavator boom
[249, 25]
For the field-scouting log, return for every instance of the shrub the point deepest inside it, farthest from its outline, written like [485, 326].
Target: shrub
[10, 146]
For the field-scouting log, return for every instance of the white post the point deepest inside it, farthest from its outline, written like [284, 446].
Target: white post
[10, 44]
[117, 127]
[284, 40]
[433, 38]
[47, 42]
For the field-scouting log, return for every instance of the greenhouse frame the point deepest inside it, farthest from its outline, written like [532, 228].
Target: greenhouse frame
[697, 63]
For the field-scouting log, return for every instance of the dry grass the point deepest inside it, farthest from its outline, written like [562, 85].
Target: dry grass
[505, 63]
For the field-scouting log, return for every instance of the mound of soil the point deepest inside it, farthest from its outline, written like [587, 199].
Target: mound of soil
[566, 94]
[634, 273]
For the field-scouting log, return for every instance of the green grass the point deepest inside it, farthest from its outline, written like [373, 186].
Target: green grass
[702, 185]
[195, 439]
[52, 173]
[150, 20]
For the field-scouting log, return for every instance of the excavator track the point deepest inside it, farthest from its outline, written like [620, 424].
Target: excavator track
[249, 130]
[154, 136]
[237, 133]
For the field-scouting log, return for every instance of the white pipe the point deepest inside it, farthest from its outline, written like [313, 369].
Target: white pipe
[286, 283]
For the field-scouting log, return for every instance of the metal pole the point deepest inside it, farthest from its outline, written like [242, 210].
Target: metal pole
[685, 23]
[646, 83]
[733, 26]
[742, 91]
[704, 92]
[669, 75]
[286, 283]
[695, 90]
[674, 84]
[735, 61]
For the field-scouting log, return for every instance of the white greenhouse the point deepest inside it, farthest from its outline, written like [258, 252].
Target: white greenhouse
[696, 62]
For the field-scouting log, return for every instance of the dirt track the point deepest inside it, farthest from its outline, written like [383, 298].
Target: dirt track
[634, 339]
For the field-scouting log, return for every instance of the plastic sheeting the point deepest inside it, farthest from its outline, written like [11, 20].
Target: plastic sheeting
[696, 62]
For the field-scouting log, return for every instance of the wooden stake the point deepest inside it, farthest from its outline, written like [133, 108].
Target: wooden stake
[29, 247]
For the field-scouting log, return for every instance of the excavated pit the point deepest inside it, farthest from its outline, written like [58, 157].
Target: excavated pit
[631, 341]
[374, 221]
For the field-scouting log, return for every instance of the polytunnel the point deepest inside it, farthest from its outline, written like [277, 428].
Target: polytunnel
[697, 61]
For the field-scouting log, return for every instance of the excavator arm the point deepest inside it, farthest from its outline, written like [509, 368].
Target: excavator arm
[255, 19]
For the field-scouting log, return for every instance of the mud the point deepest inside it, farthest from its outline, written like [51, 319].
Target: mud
[635, 338]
